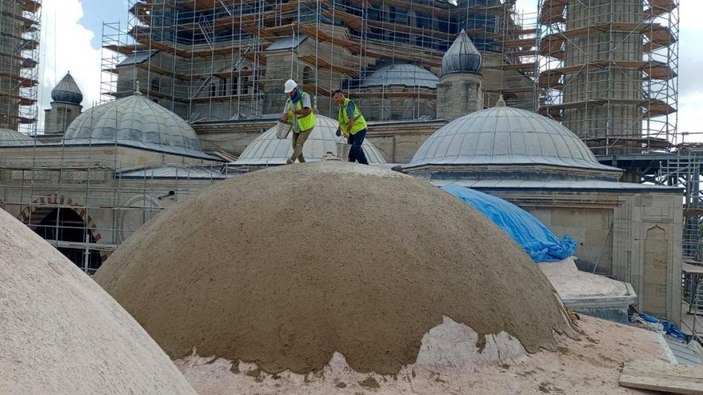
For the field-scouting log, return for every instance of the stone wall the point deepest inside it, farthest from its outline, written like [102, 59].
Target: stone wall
[647, 243]
[635, 237]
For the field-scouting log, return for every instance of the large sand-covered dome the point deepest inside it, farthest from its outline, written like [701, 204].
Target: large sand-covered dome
[287, 265]
[62, 334]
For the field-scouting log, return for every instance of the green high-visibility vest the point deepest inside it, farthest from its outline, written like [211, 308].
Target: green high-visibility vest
[306, 122]
[343, 118]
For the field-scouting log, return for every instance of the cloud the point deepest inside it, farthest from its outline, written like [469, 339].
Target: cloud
[690, 56]
[65, 46]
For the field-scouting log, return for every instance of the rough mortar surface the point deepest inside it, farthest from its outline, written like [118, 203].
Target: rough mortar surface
[62, 334]
[286, 266]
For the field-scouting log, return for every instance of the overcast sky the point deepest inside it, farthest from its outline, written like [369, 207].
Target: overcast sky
[72, 36]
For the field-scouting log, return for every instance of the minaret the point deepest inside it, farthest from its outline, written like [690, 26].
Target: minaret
[65, 107]
[459, 90]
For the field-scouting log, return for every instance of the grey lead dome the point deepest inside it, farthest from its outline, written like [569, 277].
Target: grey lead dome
[67, 91]
[269, 150]
[10, 137]
[506, 136]
[462, 56]
[136, 121]
[401, 74]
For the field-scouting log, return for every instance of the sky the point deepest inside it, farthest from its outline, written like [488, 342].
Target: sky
[72, 33]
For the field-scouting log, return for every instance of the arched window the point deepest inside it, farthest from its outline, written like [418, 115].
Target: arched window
[155, 85]
[64, 224]
[234, 86]
[308, 75]
[244, 88]
[223, 87]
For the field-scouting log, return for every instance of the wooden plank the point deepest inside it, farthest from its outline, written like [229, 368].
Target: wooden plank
[320, 63]
[662, 376]
[692, 212]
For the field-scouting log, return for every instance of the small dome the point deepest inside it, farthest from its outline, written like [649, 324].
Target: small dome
[462, 56]
[401, 74]
[269, 150]
[67, 91]
[506, 136]
[136, 121]
[10, 138]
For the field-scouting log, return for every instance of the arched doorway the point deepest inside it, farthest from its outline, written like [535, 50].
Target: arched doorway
[69, 233]
[59, 212]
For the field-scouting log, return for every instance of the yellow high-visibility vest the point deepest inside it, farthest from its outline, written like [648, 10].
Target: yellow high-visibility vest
[343, 118]
[306, 122]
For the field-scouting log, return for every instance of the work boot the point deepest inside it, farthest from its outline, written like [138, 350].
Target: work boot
[289, 161]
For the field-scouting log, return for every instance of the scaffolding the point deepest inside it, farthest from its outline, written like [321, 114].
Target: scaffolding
[19, 57]
[609, 71]
[84, 201]
[114, 40]
[683, 169]
[222, 60]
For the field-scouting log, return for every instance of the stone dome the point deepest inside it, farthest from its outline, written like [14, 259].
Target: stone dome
[506, 136]
[402, 74]
[10, 138]
[63, 334]
[287, 265]
[462, 56]
[67, 91]
[268, 150]
[135, 121]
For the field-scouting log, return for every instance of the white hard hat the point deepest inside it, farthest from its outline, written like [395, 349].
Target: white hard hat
[290, 85]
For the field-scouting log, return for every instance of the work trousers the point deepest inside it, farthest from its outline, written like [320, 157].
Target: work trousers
[298, 142]
[356, 153]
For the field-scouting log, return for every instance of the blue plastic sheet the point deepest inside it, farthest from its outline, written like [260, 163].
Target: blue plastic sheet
[669, 327]
[528, 232]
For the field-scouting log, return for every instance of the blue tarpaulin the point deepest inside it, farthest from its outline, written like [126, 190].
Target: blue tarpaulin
[668, 327]
[528, 232]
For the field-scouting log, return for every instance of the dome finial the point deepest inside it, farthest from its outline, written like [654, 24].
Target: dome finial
[136, 88]
[500, 102]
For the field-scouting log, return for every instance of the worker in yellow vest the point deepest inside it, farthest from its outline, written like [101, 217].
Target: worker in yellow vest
[352, 125]
[298, 111]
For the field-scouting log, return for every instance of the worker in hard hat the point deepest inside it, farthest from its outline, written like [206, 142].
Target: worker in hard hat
[352, 125]
[298, 111]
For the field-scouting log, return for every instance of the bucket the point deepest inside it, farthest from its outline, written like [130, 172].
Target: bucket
[343, 149]
[283, 130]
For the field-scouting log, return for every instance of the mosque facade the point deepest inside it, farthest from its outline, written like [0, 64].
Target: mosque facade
[120, 163]
[116, 166]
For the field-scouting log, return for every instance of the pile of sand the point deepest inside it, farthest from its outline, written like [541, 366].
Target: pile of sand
[570, 282]
[589, 366]
[61, 333]
[286, 266]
